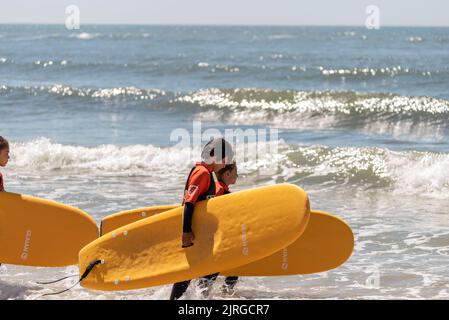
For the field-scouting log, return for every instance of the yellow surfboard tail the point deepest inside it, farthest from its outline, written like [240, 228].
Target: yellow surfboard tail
[42, 233]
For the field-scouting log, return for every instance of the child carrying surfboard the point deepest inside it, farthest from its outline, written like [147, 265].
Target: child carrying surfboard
[201, 185]
[4, 157]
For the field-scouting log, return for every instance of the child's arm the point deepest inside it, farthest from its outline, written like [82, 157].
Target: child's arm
[187, 234]
[198, 184]
[188, 215]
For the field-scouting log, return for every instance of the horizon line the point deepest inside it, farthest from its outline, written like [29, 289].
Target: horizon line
[224, 25]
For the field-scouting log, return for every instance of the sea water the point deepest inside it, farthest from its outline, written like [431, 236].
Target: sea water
[361, 123]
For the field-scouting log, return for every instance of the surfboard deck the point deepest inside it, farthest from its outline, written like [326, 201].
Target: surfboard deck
[231, 230]
[44, 233]
[326, 244]
[120, 219]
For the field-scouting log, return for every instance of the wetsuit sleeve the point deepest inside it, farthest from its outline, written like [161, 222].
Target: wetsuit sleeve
[188, 215]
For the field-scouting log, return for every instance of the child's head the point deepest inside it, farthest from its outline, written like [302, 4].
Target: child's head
[218, 152]
[228, 174]
[4, 151]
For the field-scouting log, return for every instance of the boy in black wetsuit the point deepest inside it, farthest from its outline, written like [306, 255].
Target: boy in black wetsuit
[201, 185]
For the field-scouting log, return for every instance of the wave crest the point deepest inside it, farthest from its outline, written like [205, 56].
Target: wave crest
[404, 172]
[95, 93]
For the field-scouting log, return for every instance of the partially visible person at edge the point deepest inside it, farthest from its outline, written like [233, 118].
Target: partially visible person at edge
[4, 157]
[201, 185]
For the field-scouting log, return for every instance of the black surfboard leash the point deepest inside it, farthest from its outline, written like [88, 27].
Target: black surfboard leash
[83, 276]
[54, 281]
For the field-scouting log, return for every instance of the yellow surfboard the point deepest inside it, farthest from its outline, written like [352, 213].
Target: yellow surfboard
[231, 230]
[39, 232]
[326, 244]
[120, 219]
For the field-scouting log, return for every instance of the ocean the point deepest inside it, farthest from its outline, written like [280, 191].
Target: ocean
[360, 120]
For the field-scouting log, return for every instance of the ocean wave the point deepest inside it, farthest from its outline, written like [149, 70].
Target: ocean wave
[50, 63]
[415, 39]
[315, 101]
[155, 66]
[81, 36]
[347, 34]
[401, 117]
[95, 93]
[406, 172]
[403, 172]
[44, 155]
[276, 65]
[373, 113]
[374, 72]
[85, 36]
[281, 36]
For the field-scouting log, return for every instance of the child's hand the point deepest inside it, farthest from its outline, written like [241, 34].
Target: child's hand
[187, 239]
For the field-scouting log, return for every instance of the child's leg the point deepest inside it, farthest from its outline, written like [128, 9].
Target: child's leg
[229, 284]
[205, 283]
[179, 289]
[231, 280]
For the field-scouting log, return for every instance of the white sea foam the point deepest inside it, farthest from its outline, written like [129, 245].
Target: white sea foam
[86, 36]
[42, 154]
[405, 172]
[415, 39]
[420, 172]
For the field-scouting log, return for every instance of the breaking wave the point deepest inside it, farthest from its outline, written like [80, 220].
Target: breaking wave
[408, 172]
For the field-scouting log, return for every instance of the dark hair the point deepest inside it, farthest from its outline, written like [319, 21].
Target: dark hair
[218, 148]
[228, 167]
[3, 143]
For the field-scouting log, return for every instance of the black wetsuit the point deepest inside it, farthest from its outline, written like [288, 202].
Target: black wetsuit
[180, 288]
[205, 282]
